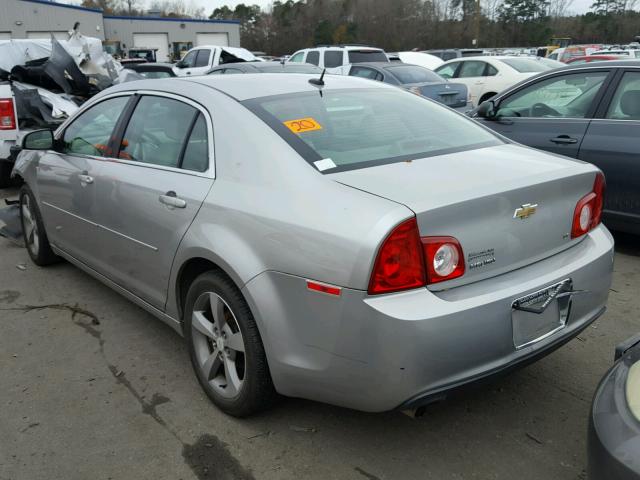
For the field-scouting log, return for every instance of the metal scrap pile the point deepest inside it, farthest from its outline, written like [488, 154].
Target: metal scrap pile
[50, 79]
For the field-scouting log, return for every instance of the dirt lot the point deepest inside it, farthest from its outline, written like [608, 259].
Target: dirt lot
[107, 392]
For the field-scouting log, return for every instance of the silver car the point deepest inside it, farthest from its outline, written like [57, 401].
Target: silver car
[340, 240]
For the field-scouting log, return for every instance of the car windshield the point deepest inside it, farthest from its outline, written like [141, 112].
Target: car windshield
[527, 65]
[367, 127]
[360, 56]
[413, 74]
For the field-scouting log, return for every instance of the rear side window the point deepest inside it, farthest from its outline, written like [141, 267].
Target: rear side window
[361, 56]
[196, 150]
[202, 60]
[332, 58]
[358, 128]
[157, 131]
[470, 69]
[313, 57]
[89, 134]
[625, 104]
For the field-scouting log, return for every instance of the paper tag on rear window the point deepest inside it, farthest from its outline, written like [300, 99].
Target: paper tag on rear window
[324, 164]
[301, 125]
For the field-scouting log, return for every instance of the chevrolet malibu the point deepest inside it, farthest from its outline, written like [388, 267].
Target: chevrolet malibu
[332, 239]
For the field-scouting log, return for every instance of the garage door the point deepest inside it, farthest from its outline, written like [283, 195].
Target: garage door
[5, 35]
[47, 35]
[220, 39]
[154, 40]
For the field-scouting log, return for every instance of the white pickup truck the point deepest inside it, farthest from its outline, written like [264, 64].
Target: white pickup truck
[10, 134]
[199, 60]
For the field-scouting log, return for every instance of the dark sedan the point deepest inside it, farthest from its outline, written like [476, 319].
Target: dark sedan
[590, 112]
[416, 79]
[614, 424]
[264, 67]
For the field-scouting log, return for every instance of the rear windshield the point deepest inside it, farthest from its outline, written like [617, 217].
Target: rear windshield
[526, 65]
[412, 74]
[358, 128]
[359, 56]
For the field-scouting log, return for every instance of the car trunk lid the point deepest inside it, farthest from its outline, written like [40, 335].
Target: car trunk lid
[452, 95]
[508, 206]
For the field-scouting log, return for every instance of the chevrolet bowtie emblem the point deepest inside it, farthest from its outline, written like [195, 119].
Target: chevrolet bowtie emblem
[525, 211]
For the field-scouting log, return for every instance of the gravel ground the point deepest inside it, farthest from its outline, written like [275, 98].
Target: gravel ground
[93, 387]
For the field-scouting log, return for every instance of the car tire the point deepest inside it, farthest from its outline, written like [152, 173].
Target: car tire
[33, 232]
[225, 346]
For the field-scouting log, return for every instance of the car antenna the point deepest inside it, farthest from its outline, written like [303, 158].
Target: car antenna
[318, 82]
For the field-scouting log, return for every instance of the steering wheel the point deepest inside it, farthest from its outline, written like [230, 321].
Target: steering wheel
[543, 110]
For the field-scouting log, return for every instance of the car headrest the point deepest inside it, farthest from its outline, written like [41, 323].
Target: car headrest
[630, 103]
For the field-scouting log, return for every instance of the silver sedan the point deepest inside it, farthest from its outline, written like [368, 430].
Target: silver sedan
[338, 240]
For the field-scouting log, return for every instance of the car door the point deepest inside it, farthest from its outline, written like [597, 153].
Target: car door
[187, 63]
[66, 177]
[473, 73]
[202, 63]
[551, 113]
[612, 144]
[148, 197]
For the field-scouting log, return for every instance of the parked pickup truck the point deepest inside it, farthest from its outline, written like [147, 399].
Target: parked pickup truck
[199, 60]
[10, 134]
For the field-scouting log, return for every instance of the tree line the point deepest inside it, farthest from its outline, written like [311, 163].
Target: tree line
[398, 25]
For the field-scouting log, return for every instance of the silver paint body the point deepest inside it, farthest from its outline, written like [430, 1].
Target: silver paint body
[271, 221]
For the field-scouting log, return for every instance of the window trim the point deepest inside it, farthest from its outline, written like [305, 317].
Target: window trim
[124, 118]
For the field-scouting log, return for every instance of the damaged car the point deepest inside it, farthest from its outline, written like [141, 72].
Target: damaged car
[43, 82]
[324, 237]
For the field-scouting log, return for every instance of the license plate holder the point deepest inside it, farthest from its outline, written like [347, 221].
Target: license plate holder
[540, 314]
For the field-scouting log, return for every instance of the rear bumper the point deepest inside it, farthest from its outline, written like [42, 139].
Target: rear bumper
[404, 350]
[614, 433]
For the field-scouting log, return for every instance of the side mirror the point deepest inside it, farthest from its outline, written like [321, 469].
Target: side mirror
[38, 140]
[487, 110]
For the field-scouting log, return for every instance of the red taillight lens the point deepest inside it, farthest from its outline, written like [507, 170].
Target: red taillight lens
[444, 258]
[7, 114]
[588, 212]
[399, 264]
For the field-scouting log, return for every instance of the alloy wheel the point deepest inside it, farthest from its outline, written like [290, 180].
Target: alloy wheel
[218, 344]
[30, 225]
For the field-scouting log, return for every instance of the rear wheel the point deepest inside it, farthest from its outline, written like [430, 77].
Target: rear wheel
[33, 233]
[225, 346]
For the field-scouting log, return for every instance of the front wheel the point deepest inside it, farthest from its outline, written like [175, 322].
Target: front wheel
[33, 232]
[225, 346]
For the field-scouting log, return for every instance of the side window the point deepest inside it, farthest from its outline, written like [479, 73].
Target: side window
[448, 56]
[333, 58]
[202, 60]
[491, 71]
[298, 57]
[218, 71]
[189, 59]
[472, 68]
[625, 104]
[566, 96]
[156, 131]
[196, 153]
[447, 71]
[89, 134]
[231, 71]
[313, 57]
[363, 72]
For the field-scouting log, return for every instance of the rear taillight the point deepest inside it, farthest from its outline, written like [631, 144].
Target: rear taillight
[407, 261]
[588, 212]
[399, 265]
[7, 114]
[444, 258]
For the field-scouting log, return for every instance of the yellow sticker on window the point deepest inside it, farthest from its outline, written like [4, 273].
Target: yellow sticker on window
[301, 125]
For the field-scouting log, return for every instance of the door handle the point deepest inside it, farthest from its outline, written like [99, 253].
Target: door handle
[170, 199]
[188, 73]
[564, 140]
[85, 179]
